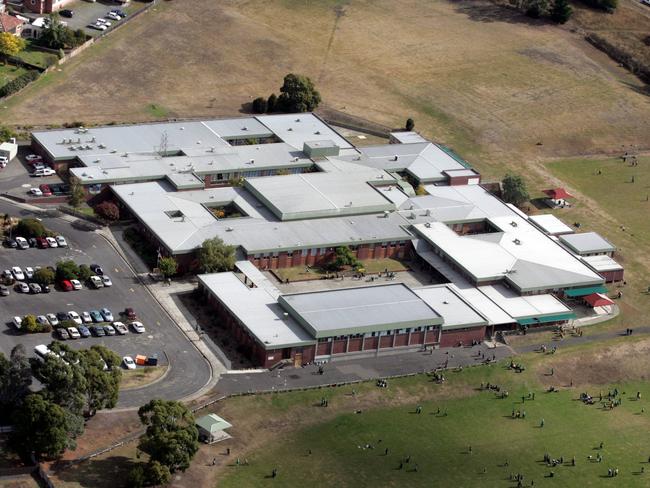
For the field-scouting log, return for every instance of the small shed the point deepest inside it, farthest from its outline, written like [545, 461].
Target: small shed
[598, 300]
[557, 197]
[212, 428]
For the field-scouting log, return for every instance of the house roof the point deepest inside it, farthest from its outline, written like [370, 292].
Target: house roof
[558, 193]
[9, 23]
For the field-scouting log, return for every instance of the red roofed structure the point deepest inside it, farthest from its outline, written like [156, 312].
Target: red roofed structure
[558, 194]
[597, 300]
[10, 24]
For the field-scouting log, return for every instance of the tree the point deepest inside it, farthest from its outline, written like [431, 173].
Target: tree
[11, 45]
[298, 94]
[6, 133]
[171, 437]
[67, 270]
[57, 36]
[272, 103]
[77, 194]
[157, 474]
[85, 272]
[420, 190]
[167, 266]
[103, 385]
[30, 228]
[41, 427]
[44, 276]
[259, 105]
[536, 8]
[343, 256]
[109, 210]
[64, 381]
[15, 380]
[514, 189]
[410, 124]
[216, 256]
[30, 325]
[561, 11]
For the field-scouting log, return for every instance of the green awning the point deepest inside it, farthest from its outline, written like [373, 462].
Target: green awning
[547, 319]
[581, 292]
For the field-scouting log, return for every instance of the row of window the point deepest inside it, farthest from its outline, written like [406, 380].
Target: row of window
[377, 334]
[322, 251]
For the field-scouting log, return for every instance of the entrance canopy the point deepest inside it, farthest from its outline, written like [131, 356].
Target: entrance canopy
[581, 292]
[598, 300]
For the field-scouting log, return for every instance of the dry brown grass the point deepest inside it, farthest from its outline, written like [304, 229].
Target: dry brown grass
[473, 75]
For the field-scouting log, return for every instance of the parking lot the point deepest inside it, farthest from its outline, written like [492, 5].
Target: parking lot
[86, 13]
[188, 370]
[15, 179]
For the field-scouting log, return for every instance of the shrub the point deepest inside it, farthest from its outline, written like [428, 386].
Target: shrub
[18, 83]
[108, 210]
[272, 103]
[410, 124]
[67, 270]
[85, 272]
[30, 228]
[44, 276]
[259, 105]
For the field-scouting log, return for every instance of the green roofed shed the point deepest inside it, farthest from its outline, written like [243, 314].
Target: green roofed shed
[212, 427]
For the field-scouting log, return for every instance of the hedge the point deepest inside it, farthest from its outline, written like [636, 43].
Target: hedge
[18, 83]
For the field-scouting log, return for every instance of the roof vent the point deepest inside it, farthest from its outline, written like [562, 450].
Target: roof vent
[198, 142]
[386, 212]
[412, 216]
[252, 161]
[244, 128]
[427, 225]
[317, 132]
[445, 302]
[229, 229]
[212, 149]
[428, 212]
[513, 223]
[297, 120]
[289, 129]
[182, 128]
[517, 242]
[395, 158]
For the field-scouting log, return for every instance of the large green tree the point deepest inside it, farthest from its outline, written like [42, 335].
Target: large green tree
[216, 256]
[67, 270]
[15, 380]
[168, 266]
[77, 194]
[103, 385]
[29, 228]
[44, 276]
[63, 380]
[43, 428]
[514, 189]
[561, 11]
[298, 94]
[171, 437]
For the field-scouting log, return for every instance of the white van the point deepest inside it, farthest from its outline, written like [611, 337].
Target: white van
[42, 351]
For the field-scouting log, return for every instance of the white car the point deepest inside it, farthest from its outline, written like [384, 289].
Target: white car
[29, 272]
[104, 21]
[128, 362]
[138, 327]
[40, 165]
[74, 333]
[87, 319]
[74, 316]
[33, 157]
[113, 16]
[18, 273]
[17, 321]
[76, 284]
[60, 240]
[51, 241]
[107, 281]
[44, 172]
[51, 318]
[96, 281]
[22, 287]
[22, 243]
[36, 192]
[120, 328]
[97, 26]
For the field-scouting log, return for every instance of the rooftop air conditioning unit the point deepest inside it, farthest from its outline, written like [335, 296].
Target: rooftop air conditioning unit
[244, 128]
[428, 212]
[229, 229]
[427, 225]
[412, 216]
[182, 128]
[395, 158]
[517, 242]
[72, 148]
[386, 212]
[513, 223]
[297, 120]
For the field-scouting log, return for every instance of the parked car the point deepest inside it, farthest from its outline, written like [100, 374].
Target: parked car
[22, 243]
[42, 242]
[66, 12]
[130, 313]
[52, 319]
[34, 288]
[17, 322]
[74, 333]
[38, 165]
[42, 319]
[84, 331]
[128, 362]
[6, 275]
[30, 158]
[32, 242]
[60, 240]
[66, 285]
[85, 316]
[51, 241]
[97, 26]
[9, 242]
[96, 316]
[76, 284]
[63, 334]
[36, 192]
[4, 291]
[18, 273]
[106, 313]
[109, 329]
[138, 327]
[22, 287]
[96, 281]
[45, 190]
[113, 16]
[120, 328]
[119, 12]
[44, 172]
[97, 269]
[29, 272]
[107, 281]
[103, 21]
[74, 316]
[45, 288]
[62, 316]
[97, 330]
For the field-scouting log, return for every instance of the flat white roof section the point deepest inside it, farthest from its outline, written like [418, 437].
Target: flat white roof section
[526, 306]
[314, 195]
[587, 243]
[602, 263]
[257, 310]
[296, 129]
[359, 310]
[456, 312]
[407, 137]
[550, 224]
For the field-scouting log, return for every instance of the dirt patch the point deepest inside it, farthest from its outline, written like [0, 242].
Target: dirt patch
[141, 377]
[605, 364]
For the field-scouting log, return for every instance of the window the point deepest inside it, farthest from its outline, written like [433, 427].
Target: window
[303, 252]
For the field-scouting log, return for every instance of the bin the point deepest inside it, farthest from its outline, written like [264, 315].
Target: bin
[141, 360]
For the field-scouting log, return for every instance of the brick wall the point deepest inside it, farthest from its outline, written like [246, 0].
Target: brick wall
[452, 338]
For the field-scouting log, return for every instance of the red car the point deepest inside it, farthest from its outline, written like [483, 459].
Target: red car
[41, 242]
[45, 189]
[130, 313]
[66, 285]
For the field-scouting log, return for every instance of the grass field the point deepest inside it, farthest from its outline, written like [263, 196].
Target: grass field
[8, 72]
[487, 81]
[371, 266]
[36, 57]
[141, 377]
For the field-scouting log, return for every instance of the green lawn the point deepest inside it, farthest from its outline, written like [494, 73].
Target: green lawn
[8, 72]
[371, 266]
[36, 57]
[439, 444]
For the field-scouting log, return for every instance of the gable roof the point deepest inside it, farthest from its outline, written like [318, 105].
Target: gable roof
[9, 23]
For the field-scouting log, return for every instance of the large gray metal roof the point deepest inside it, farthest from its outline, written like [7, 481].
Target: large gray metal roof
[359, 310]
[456, 311]
[587, 243]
